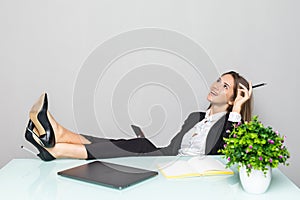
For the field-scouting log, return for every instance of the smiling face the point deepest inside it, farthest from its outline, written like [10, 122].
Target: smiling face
[221, 91]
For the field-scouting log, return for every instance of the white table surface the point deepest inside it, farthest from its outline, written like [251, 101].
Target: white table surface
[36, 179]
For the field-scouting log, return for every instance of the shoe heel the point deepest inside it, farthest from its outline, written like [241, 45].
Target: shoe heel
[29, 151]
[30, 137]
[36, 138]
[39, 116]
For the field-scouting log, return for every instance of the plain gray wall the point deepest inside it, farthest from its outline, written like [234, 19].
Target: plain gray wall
[45, 44]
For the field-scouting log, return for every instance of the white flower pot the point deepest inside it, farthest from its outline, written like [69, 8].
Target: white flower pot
[257, 182]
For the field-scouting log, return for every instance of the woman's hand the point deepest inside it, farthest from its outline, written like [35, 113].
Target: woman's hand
[242, 96]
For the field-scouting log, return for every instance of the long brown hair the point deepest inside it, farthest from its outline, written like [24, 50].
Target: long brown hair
[246, 110]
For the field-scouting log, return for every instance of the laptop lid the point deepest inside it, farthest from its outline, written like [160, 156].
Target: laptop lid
[108, 174]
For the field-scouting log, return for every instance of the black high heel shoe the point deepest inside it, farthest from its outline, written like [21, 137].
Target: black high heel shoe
[38, 115]
[30, 137]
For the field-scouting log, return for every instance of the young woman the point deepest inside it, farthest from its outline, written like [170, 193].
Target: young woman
[202, 132]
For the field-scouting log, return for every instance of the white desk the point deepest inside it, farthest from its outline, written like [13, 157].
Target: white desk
[35, 179]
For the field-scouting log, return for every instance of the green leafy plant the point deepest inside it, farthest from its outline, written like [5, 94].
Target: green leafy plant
[255, 146]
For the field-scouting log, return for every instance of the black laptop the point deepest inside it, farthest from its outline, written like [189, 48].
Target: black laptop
[108, 174]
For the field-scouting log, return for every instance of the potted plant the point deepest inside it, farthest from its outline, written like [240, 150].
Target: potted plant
[256, 149]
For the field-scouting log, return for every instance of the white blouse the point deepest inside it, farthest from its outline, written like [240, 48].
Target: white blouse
[194, 141]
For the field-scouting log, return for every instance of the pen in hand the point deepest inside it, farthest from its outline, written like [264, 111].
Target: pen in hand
[259, 85]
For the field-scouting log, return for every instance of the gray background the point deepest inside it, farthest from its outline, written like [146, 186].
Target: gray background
[45, 44]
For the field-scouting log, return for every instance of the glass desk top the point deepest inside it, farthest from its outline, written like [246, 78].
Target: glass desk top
[36, 179]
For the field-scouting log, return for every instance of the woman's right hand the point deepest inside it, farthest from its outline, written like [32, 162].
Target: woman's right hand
[243, 95]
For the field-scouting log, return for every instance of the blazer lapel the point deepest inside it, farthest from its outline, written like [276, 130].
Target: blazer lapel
[214, 134]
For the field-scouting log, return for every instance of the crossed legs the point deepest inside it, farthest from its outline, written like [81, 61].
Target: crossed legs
[68, 144]
[55, 141]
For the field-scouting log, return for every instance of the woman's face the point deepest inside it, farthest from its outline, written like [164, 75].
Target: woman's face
[221, 91]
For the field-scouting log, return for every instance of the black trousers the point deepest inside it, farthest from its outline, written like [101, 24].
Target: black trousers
[110, 148]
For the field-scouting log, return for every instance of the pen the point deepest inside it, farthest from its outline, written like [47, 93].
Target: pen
[259, 85]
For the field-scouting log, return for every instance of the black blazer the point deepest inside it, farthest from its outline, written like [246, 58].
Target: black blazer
[214, 140]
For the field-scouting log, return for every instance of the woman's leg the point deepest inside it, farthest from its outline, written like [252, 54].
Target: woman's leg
[60, 150]
[121, 148]
[68, 144]
[73, 145]
[105, 149]
[63, 135]
[39, 111]
[67, 150]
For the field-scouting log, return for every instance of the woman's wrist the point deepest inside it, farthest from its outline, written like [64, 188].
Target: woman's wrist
[236, 109]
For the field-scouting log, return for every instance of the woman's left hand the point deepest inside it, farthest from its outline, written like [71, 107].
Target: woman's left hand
[243, 95]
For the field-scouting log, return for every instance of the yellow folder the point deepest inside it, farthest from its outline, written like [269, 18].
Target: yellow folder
[195, 166]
